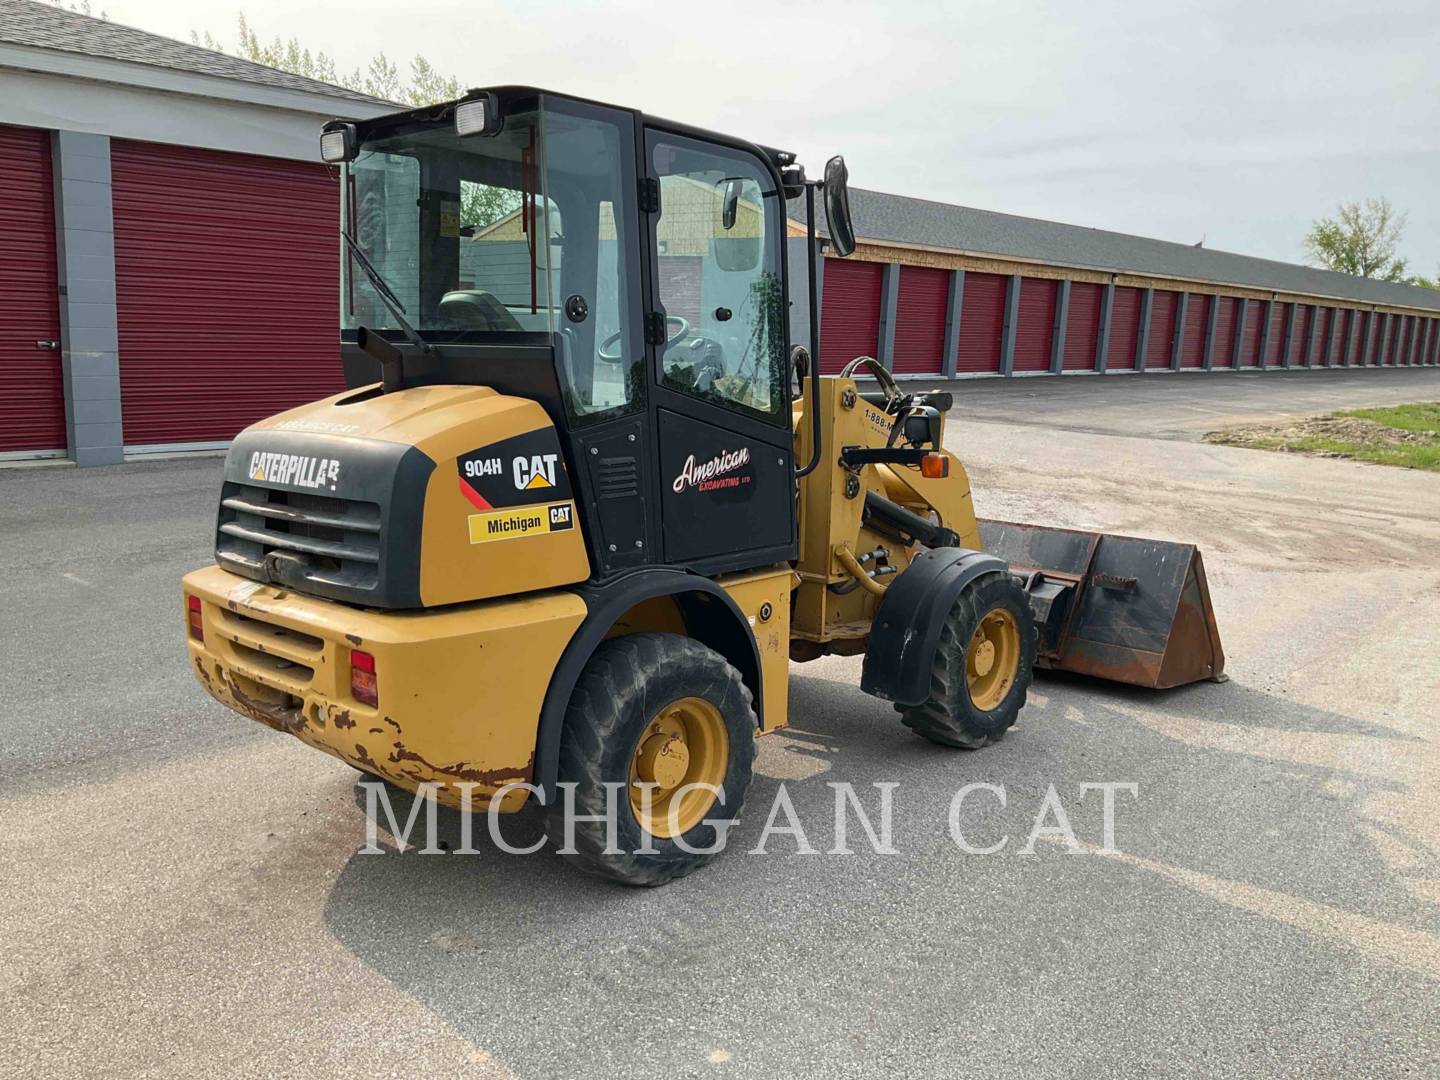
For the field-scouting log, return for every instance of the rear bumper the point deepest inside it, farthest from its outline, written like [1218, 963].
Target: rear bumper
[460, 689]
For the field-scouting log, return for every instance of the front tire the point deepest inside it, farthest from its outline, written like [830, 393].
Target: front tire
[982, 668]
[661, 710]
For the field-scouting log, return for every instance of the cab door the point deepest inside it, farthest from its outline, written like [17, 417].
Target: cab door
[718, 347]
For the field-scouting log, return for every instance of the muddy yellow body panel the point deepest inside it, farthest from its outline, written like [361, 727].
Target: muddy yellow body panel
[460, 690]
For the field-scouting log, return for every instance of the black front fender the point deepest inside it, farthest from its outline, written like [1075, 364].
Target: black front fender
[906, 630]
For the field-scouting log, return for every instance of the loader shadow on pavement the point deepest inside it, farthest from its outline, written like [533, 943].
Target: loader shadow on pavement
[1239, 927]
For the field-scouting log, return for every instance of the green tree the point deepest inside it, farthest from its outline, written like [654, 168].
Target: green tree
[480, 204]
[1360, 239]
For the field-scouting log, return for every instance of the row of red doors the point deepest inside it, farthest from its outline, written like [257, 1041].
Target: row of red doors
[227, 304]
[853, 297]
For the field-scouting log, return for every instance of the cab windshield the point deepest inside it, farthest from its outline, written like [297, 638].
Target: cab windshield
[484, 239]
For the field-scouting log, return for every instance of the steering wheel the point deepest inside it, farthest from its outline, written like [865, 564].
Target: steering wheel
[476, 309]
[670, 338]
[888, 385]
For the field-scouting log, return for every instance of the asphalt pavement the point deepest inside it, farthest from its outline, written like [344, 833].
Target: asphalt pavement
[183, 891]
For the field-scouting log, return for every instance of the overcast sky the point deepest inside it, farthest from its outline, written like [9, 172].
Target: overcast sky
[1238, 122]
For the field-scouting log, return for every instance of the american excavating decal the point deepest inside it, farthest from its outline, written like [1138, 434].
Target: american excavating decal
[294, 470]
[720, 472]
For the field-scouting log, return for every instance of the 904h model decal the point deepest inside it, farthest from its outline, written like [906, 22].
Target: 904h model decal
[520, 471]
[520, 487]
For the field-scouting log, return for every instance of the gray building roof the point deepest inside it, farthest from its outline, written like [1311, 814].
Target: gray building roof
[49, 26]
[898, 219]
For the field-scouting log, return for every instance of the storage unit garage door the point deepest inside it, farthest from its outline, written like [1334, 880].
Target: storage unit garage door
[1250, 334]
[920, 320]
[982, 315]
[1035, 331]
[1275, 341]
[1083, 326]
[227, 270]
[32, 402]
[849, 312]
[1192, 344]
[1124, 329]
[1164, 309]
[1226, 313]
[1320, 341]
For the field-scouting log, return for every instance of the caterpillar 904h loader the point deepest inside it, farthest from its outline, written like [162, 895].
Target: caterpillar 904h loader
[582, 505]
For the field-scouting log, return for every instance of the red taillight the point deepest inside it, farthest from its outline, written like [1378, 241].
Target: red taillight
[363, 687]
[192, 614]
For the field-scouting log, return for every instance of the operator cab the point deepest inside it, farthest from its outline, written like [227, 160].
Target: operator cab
[627, 273]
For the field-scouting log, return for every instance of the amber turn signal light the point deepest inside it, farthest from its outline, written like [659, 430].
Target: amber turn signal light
[935, 466]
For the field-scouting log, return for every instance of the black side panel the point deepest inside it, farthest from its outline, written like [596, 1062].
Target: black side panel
[721, 492]
[616, 459]
[709, 613]
[912, 613]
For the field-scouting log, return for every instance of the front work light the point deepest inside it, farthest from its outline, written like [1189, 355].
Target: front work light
[338, 143]
[478, 116]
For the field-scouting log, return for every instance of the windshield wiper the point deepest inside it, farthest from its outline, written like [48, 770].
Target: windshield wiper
[387, 295]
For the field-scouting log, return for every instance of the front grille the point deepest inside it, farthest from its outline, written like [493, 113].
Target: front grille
[296, 538]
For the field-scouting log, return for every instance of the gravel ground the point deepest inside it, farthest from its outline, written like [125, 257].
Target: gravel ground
[184, 894]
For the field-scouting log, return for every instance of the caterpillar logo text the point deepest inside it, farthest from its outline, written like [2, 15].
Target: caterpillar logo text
[295, 470]
[535, 471]
[521, 521]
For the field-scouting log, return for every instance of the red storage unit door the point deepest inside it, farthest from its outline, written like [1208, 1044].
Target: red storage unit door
[1250, 334]
[1299, 328]
[1192, 343]
[920, 321]
[1124, 328]
[32, 398]
[1082, 328]
[227, 271]
[1275, 342]
[1035, 330]
[1225, 315]
[1318, 345]
[849, 312]
[982, 318]
[1345, 325]
[1164, 309]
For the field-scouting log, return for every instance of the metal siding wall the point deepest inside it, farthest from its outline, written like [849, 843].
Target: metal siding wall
[1036, 330]
[1163, 310]
[920, 321]
[1225, 316]
[32, 396]
[1124, 329]
[1250, 339]
[1192, 347]
[850, 312]
[1084, 325]
[982, 319]
[227, 287]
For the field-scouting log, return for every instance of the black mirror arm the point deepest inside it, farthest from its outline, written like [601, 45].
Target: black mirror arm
[812, 261]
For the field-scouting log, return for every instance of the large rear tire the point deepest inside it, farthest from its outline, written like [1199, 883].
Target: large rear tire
[659, 710]
[982, 668]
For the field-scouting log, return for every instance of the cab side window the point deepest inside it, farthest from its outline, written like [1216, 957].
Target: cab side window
[717, 257]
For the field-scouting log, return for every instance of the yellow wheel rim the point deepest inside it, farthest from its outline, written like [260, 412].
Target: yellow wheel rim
[685, 743]
[992, 659]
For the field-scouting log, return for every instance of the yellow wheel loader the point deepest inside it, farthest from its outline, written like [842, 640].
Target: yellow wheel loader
[583, 505]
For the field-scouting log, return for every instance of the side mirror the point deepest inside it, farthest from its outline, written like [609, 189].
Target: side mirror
[730, 203]
[737, 252]
[837, 206]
